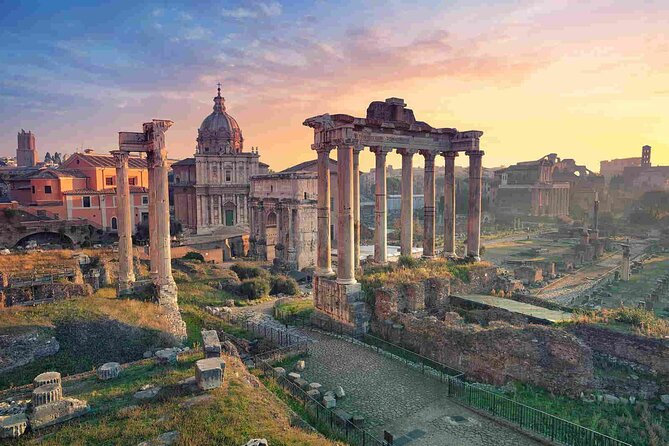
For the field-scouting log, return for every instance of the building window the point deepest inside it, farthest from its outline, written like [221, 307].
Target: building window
[305, 195]
[109, 181]
[47, 189]
[145, 217]
[86, 202]
[32, 188]
[114, 223]
[145, 199]
[271, 188]
[228, 175]
[132, 181]
[177, 180]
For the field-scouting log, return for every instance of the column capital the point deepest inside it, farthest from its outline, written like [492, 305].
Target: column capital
[429, 155]
[406, 152]
[121, 158]
[378, 150]
[475, 153]
[449, 154]
[322, 148]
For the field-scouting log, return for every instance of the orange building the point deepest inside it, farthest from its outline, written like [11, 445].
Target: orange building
[83, 187]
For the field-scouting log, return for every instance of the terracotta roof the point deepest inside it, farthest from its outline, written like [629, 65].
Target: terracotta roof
[105, 160]
[108, 191]
[306, 164]
[58, 173]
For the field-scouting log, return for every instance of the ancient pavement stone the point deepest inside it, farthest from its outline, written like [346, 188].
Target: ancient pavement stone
[392, 396]
[13, 426]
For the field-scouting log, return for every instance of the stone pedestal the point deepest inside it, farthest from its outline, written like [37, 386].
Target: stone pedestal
[209, 373]
[340, 307]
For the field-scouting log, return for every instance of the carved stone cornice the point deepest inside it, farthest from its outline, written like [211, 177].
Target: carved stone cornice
[407, 152]
[121, 159]
[449, 154]
[475, 153]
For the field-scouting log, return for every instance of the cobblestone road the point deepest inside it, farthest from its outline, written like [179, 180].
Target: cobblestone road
[399, 399]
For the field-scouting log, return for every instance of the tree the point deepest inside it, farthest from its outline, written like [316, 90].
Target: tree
[56, 158]
[47, 158]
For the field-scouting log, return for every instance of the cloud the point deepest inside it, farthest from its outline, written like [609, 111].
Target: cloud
[259, 10]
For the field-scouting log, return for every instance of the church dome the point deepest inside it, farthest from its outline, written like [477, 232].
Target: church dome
[219, 132]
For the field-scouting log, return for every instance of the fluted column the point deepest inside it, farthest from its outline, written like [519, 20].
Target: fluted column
[380, 207]
[429, 204]
[356, 206]
[345, 250]
[406, 211]
[153, 239]
[449, 204]
[323, 261]
[474, 215]
[126, 273]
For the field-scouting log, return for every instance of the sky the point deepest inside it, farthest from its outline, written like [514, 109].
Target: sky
[586, 80]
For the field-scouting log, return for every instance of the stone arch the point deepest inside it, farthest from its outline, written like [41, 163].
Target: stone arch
[114, 223]
[271, 219]
[43, 237]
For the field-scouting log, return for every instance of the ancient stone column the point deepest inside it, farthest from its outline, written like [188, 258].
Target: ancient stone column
[449, 204]
[380, 207]
[428, 209]
[323, 261]
[166, 287]
[356, 205]
[406, 210]
[345, 250]
[474, 215]
[625, 267]
[153, 235]
[126, 273]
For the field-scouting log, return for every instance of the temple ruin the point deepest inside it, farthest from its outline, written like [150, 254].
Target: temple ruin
[151, 141]
[388, 126]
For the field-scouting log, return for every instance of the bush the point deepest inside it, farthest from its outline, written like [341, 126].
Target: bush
[408, 262]
[245, 271]
[192, 255]
[229, 281]
[254, 288]
[284, 285]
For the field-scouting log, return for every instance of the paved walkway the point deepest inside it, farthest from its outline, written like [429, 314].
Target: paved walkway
[517, 307]
[403, 401]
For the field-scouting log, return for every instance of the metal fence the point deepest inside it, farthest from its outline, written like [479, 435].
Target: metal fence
[321, 417]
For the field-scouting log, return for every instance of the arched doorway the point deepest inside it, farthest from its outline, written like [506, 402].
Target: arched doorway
[229, 213]
[114, 223]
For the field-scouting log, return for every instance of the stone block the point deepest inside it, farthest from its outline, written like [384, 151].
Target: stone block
[292, 376]
[109, 370]
[339, 392]
[315, 394]
[211, 344]
[57, 412]
[299, 366]
[46, 378]
[146, 392]
[329, 402]
[279, 371]
[302, 383]
[167, 355]
[13, 426]
[315, 386]
[208, 373]
[47, 393]
[257, 442]
[358, 421]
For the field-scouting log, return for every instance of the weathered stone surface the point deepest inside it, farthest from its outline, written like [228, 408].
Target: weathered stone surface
[315, 394]
[302, 383]
[147, 354]
[664, 399]
[339, 392]
[46, 378]
[279, 371]
[315, 386]
[57, 412]
[257, 442]
[109, 370]
[47, 393]
[299, 366]
[293, 376]
[166, 439]
[230, 349]
[329, 402]
[13, 426]
[611, 399]
[167, 355]
[211, 344]
[208, 373]
[146, 392]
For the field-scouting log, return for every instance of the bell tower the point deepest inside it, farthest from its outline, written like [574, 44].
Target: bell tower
[26, 151]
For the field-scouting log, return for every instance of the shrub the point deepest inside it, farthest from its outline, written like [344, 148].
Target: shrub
[192, 255]
[229, 281]
[408, 262]
[245, 271]
[284, 285]
[254, 288]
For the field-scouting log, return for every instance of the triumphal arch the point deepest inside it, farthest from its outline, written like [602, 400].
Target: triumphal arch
[388, 126]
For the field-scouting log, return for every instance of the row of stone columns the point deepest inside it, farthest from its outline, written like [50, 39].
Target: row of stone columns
[348, 218]
[159, 225]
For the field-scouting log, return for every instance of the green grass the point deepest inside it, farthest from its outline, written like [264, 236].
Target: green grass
[290, 309]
